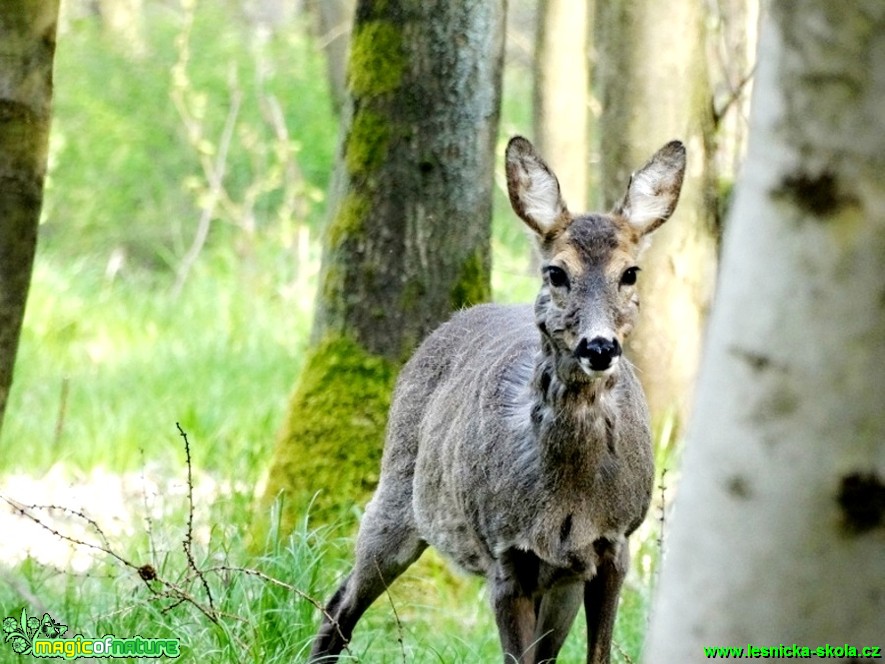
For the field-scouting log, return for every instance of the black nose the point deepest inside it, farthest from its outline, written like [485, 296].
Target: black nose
[599, 352]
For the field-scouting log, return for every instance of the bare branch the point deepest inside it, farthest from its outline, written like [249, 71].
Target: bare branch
[189, 536]
[736, 92]
[215, 175]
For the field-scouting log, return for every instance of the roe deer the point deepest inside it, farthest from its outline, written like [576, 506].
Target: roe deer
[518, 442]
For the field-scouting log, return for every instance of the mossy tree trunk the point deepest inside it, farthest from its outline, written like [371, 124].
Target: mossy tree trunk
[653, 84]
[779, 522]
[408, 239]
[27, 47]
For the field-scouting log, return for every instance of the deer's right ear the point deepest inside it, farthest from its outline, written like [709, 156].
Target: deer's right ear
[533, 189]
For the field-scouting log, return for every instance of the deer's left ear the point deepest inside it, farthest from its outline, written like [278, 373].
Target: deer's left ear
[654, 189]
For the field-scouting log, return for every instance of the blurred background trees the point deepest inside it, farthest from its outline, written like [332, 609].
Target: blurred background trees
[561, 110]
[654, 85]
[27, 47]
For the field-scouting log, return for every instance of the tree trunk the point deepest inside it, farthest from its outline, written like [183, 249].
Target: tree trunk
[27, 47]
[409, 233]
[332, 20]
[561, 104]
[779, 523]
[652, 78]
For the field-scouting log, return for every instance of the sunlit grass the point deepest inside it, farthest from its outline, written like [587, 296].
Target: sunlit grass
[430, 615]
[107, 367]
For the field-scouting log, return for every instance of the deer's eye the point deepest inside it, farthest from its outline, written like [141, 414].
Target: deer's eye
[629, 276]
[556, 276]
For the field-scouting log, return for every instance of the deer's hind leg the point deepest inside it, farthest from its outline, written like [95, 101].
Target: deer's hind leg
[386, 547]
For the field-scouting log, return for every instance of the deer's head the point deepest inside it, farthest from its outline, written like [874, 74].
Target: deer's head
[588, 301]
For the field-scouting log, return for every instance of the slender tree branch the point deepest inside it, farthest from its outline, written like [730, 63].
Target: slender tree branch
[215, 175]
[189, 536]
[736, 92]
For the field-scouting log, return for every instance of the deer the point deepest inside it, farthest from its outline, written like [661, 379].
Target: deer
[518, 441]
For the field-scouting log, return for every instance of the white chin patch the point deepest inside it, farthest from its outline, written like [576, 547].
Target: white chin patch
[593, 373]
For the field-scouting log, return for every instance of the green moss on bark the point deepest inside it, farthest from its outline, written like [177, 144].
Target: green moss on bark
[331, 443]
[472, 286]
[367, 142]
[377, 62]
[348, 221]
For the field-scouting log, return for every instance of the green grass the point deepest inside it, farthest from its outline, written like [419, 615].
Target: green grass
[269, 614]
[105, 369]
[111, 358]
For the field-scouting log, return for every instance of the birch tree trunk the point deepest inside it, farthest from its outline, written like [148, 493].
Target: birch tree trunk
[778, 528]
[652, 77]
[27, 47]
[409, 235]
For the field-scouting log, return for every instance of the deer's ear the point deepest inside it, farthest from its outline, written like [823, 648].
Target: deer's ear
[654, 189]
[533, 188]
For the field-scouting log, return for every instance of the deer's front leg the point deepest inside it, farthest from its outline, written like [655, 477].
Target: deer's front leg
[601, 599]
[512, 582]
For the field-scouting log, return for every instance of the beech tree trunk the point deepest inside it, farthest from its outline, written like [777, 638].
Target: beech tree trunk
[778, 528]
[27, 47]
[408, 240]
[653, 84]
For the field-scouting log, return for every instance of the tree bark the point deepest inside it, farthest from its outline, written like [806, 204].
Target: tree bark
[27, 47]
[332, 20]
[779, 523]
[653, 83]
[561, 104]
[409, 235]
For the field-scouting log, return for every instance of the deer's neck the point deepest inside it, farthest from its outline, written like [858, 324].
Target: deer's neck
[574, 421]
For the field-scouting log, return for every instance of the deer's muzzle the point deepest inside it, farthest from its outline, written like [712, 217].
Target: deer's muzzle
[598, 354]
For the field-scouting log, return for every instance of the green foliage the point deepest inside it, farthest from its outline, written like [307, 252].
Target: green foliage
[332, 439]
[124, 171]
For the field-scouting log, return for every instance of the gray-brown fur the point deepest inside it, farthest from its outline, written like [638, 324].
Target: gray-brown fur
[518, 442]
